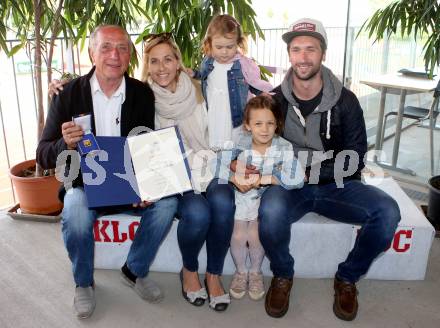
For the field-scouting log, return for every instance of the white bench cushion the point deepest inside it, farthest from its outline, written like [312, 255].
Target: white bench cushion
[318, 244]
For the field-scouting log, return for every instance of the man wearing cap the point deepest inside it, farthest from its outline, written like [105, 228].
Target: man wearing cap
[323, 117]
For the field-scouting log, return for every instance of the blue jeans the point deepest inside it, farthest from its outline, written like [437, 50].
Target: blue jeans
[356, 203]
[207, 218]
[77, 227]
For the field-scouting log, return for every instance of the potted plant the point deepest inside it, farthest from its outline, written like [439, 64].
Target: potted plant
[418, 17]
[37, 23]
[36, 190]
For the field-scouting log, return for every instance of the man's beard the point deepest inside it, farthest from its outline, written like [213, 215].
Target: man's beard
[308, 76]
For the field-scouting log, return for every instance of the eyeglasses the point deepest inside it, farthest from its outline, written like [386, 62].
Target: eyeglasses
[164, 36]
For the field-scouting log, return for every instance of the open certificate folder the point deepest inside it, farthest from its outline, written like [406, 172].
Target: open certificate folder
[147, 167]
[159, 164]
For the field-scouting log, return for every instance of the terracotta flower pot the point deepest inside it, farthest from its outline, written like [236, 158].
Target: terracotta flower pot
[36, 195]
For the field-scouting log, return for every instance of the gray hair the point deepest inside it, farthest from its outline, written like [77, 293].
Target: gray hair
[94, 34]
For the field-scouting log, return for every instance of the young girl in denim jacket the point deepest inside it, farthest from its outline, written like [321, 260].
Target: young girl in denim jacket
[228, 79]
[262, 147]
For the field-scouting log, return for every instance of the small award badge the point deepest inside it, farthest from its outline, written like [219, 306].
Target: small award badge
[88, 142]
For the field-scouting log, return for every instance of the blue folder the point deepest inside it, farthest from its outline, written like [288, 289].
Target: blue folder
[113, 190]
[109, 179]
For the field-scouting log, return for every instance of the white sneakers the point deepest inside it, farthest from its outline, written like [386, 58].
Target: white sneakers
[243, 282]
[238, 286]
[256, 286]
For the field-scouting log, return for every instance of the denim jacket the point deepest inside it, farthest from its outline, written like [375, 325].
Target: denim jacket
[237, 86]
[279, 162]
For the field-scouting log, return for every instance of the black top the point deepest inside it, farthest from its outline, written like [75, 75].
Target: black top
[347, 131]
[306, 107]
[76, 98]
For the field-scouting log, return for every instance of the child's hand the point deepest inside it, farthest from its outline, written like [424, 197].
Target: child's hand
[257, 184]
[254, 179]
[189, 71]
[240, 167]
[244, 184]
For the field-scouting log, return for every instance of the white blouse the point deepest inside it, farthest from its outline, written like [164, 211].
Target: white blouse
[221, 133]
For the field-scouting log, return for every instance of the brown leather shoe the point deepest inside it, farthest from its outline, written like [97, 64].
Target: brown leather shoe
[277, 297]
[346, 305]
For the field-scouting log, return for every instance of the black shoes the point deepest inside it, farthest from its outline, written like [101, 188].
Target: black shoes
[195, 298]
[218, 303]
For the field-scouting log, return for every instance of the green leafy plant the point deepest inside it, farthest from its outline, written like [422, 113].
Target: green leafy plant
[188, 20]
[37, 24]
[421, 17]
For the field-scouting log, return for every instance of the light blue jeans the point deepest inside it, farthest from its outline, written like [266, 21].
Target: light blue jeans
[356, 203]
[77, 228]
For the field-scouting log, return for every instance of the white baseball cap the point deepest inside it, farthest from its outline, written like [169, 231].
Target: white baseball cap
[306, 26]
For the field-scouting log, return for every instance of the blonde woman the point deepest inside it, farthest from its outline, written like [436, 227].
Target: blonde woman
[202, 216]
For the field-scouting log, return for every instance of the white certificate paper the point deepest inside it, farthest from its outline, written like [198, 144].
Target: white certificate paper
[159, 164]
[84, 121]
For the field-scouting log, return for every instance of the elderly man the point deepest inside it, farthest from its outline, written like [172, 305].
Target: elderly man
[323, 117]
[117, 104]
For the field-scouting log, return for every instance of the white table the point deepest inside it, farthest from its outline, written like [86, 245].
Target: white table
[401, 85]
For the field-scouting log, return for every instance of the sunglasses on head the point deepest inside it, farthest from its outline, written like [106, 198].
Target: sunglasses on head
[152, 36]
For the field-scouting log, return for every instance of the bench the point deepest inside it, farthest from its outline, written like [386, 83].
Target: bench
[318, 244]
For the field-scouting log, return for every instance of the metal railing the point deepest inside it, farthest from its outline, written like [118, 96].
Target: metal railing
[17, 91]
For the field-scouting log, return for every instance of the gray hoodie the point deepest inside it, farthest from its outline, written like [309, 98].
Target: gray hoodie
[307, 137]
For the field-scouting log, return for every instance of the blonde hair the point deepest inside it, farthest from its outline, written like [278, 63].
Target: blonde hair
[226, 26]
[163, 38]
